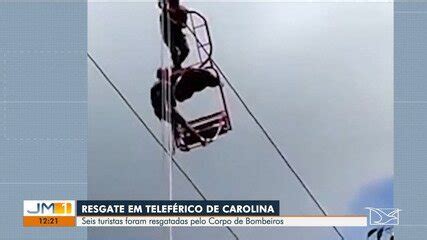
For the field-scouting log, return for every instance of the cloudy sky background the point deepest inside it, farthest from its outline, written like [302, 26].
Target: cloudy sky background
[318, 75]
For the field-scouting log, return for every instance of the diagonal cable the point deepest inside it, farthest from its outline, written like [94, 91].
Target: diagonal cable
[156, 139]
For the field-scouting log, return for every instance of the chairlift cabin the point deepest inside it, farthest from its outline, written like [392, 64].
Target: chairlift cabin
[212, 125]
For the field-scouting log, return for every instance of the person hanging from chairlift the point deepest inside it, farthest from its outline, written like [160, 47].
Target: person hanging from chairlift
[184, 83]
[172, 21]
[191, 80]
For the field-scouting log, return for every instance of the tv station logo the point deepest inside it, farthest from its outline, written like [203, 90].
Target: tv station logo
[49, 213]
[384, 216]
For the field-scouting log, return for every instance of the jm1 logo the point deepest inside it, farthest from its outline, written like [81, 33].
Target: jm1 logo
[51, 208]
[383, 216]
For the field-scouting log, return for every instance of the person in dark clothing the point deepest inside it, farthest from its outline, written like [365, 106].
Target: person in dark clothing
[172, 21]
[193, 80]
[156, 102]
[160, 109]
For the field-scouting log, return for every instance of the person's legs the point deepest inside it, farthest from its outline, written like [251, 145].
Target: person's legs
[179, 48]
[184, 50]
[175, 55]
[171, 37]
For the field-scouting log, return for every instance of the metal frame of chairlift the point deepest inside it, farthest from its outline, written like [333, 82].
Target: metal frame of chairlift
[213, 125]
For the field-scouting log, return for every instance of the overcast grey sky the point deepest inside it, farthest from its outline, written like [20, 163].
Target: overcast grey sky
[318, 75]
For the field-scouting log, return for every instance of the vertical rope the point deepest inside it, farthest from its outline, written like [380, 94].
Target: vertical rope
[167, 136]
[164, 102]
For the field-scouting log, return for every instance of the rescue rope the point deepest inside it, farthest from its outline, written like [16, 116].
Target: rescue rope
[167, 103]
[156, 139]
